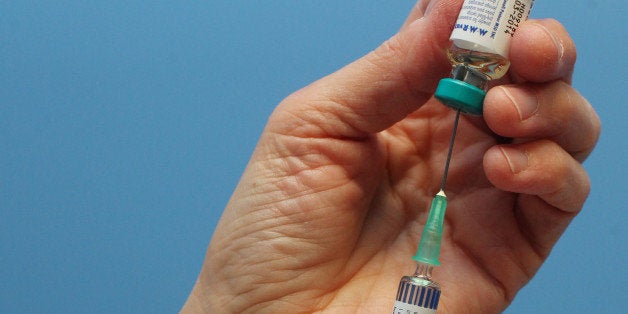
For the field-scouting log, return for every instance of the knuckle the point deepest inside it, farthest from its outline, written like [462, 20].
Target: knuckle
[389, 51]
[563, 182]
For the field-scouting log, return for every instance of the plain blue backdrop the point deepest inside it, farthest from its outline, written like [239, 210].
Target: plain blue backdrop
[125, 125]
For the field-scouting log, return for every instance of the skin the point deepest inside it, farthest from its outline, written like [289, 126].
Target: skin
[330, 208]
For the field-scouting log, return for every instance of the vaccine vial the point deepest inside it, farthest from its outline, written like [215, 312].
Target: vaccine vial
[479, 50]
[417, 294]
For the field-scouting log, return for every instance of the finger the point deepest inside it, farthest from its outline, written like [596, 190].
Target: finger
[554, 111]
[377, 90]
[542, 51]
[542, 224]
[540, 168]
[417, 12]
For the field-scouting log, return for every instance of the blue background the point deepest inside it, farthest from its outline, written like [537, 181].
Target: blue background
[125, 125]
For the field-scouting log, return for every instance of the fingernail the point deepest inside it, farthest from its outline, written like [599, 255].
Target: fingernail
[517, 160]
[524, 102]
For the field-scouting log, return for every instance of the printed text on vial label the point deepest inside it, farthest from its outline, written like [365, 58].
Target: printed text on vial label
[478, 15]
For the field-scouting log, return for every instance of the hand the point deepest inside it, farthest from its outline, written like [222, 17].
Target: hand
[330, 208]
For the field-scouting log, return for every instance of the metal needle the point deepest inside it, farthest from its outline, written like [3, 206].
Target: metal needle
[451, 148]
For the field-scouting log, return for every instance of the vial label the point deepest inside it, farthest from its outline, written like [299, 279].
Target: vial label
[488, 25]
[415, 299]
[405, 308]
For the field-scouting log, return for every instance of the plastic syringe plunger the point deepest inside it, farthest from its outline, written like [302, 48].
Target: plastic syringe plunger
[429, 246]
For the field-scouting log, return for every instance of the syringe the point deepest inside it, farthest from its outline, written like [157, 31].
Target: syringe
[419, 293]
[476, 60]
[429, 247]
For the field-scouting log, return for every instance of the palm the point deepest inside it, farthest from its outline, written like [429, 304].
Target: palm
[343, 236]
[379, 250]
[481, 226]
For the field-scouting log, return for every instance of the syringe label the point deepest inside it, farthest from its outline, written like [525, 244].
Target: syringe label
[415, 299]
[404, 308]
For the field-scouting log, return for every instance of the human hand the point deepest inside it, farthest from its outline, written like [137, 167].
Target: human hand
[330, 208]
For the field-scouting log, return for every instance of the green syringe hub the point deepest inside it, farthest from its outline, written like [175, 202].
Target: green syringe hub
[429, 247]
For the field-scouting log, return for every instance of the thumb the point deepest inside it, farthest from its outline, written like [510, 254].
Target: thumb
[379, 89]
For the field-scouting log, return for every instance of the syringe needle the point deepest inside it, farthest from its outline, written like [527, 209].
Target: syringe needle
[451, 148]
[429, 246]
[427, 253]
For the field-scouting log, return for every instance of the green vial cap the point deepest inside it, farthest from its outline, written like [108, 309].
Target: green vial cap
[429, 246]
[460, 95]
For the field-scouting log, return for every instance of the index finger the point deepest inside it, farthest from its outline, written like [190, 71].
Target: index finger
[417, 12]
[379, 89]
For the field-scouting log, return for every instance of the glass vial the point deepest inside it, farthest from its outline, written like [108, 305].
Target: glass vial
[479, 50]
[417, 294]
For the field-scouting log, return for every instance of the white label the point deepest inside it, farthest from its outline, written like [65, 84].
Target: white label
[488, 25]
[405, 308]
